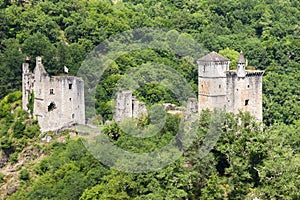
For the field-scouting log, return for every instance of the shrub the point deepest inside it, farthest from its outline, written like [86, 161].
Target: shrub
[18, 129]
[13, 158]
[1, 178]
[24, 175]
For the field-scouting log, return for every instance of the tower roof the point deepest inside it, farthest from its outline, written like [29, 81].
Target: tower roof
[213, 57]
[241, 58]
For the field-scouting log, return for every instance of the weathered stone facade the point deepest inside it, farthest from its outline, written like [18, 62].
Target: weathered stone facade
[128, 106]
[58, 100]
[232, 90]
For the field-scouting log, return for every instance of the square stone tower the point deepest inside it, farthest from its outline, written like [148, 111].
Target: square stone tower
[244, 90]
[232, 90]
[58, 101]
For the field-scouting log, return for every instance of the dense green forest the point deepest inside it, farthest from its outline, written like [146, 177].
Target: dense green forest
[248, 161]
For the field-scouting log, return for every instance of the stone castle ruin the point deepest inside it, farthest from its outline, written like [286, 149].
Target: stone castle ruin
[218, 87]
[57, 101]
[233, 90]
[128, 106]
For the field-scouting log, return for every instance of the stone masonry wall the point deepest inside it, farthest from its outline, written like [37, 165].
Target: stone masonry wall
[245, 93]
[58, 100]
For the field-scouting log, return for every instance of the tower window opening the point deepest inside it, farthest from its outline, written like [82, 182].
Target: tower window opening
[219, 86]
[70, 86]
[51, 91]
[51, 106]
[73, 116]
[246, 102]
[248, 86]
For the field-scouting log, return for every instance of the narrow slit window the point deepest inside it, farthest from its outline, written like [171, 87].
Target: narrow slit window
[219, 86]
[51, 91]
[70, 86]
[246, 102]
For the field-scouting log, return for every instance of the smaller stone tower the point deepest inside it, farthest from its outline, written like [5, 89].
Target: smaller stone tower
[123, 105]
[128, 106]
[241, 68]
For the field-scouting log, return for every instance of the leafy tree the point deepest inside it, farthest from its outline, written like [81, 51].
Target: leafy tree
[232, 55]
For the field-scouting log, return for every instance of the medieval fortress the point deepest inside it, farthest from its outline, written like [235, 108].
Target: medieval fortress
[234, 90]
[58, 101]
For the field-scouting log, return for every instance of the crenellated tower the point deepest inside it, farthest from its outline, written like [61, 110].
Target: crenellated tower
[244, 89]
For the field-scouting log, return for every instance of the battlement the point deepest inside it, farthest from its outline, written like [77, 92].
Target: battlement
[248, 73]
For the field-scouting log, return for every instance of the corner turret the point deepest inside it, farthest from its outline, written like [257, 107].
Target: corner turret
[241, 71]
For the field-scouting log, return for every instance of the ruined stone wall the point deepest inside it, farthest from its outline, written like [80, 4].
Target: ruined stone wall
[27, 85]
[62, 103]
[128, 106]
[245, 93]
[58, 100]
[138, 108]
[123, 107]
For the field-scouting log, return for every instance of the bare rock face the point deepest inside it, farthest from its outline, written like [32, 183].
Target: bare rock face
[4, 158]
[12, 190]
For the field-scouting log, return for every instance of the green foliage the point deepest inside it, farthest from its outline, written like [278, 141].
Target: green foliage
[246, 161]
[1, 178]
[31, 102]
[65, 174]
[16, 128]
[13, 158]
[281, 92]
[112, 130]
[232, 55]
[24, 175]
